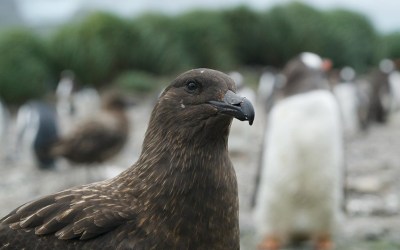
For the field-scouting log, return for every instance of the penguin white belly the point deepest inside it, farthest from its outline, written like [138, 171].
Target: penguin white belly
[301, 179]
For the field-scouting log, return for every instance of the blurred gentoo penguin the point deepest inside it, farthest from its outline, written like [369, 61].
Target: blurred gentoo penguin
[64, 92]
[37, 129]
[266, 87]
[349, 101]
[300, 186]
[394, 83]
[380, 96]
[74, 105]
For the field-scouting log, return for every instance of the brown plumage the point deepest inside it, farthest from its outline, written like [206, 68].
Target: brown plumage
[98, 139]
[180, 194]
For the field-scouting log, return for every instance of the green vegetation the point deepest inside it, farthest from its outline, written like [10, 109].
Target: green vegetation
[391, 45]
[206, 40]
[157, 50]
[96, 49]
[356, 44]
[24, 66]
[294, 28]
[103, 48]
[249, 35]
[137, 81]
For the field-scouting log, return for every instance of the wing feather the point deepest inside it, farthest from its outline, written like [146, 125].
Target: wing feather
[76, 213]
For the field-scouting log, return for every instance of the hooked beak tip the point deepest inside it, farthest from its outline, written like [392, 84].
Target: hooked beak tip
[236, 106]
[248, 110]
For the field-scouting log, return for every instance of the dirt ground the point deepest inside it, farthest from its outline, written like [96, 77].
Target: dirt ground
[372, 201]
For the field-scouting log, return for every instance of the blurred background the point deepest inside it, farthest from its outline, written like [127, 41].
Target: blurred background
[66, 54]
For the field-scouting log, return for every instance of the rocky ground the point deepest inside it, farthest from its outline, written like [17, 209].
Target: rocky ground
[371, 220]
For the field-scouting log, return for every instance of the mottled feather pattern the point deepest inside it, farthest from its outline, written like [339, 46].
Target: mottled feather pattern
[82, 213]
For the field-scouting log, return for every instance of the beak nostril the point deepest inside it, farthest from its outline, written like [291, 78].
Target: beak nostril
[233, 99]
[237, 104]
